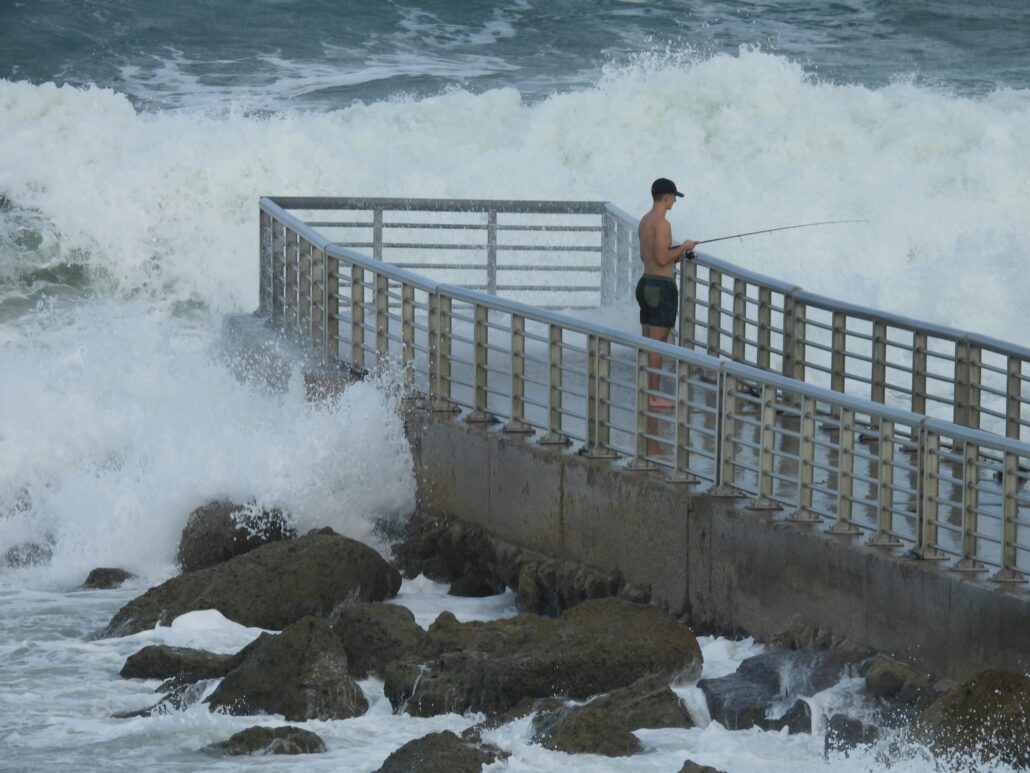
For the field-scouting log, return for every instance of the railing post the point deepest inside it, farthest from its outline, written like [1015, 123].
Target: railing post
[766, 452]
[688, 303]
[303, 286]
[1013, 397]
[878, 374]
[555, 353]
[377, 233]
[624, 261]
[967, 384]
[764, 327]
[838, 355]
[884, 537]
[317, 262]
[640, 461]
[357, 316]
[970, 502]
[382, 312]
[919, 348]
[739, 320]
[278, 272]
[845, 475]
[599, 400]
[264, 262]
[609, 262]
[331, 307]
[491, 252]
[714, 312]
[793, 337]
[518, 424]
[408, 332]
[806, 463]
[725, 468]
[929, 493]
[481, 373]
[1010, 525]
[682, 474]
[442, 335]
[292, 296]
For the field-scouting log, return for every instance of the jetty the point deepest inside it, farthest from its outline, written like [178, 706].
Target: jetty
[820, 464]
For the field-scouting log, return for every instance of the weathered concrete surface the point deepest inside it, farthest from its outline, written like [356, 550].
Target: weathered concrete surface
[729, 568]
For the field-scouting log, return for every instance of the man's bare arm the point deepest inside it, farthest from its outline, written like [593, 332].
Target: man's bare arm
[664, 256]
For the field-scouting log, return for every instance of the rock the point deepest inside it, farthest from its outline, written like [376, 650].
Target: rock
[596, 647]
[270, 586]
[270, 740]
[741, 700]
[300, 673]
[219, 531]
[585, 730]
[179, 695]
[896, 682]
[26, 554]
[476, 564]
[159, 661]
[985, 718]
[843, 734]
[692, 767]
[375, 635]
[104, 578]
[440, 753]
[648, 702]
[798, 719]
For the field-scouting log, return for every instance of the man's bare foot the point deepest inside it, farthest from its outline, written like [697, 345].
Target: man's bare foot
[656, 403]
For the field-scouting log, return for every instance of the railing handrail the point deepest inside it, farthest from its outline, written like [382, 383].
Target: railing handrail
[670, 351]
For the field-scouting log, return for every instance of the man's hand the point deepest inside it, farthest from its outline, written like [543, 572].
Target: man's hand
[688, 245]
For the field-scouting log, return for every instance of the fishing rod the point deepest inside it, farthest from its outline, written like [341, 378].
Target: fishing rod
[782, 228]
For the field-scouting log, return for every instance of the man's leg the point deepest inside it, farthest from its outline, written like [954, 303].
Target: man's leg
[654, 378]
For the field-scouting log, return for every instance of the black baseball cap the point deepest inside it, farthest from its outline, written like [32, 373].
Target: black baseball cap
[663, 185]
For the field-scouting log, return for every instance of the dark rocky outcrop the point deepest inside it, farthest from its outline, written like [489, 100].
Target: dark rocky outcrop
[440, 753]
[219, 531]
[585, 730]
[742, 699]
[476, 564]
[902, 690]
[692, 767]
[983, 719]
[179, 694]
[270, 586]
[300, 673]
[596, 647]
[375, 635]
[843, 734]
[159, 661]
[269, 740]
[798, 719]
[103, 578]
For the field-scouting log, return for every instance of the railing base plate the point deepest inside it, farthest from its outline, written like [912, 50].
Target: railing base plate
[724, 490]
[804, 515]
[479, 416]
[1009, 576]
[598, 452]
[843, 529]
[881, 540]
[554, 439]
[440, 405]
[682, 478]
[762, 503]
[516, 427]
[969, 566]
[929, 554]
[642, 465]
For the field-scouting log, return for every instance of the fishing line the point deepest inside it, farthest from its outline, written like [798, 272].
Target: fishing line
[781, 228]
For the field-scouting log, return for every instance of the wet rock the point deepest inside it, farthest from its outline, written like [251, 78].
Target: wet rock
[742, 699]
[178, 696]
[440, 753]
[585, 730]
[159, 661]
[103, 578]
[844, 734]
[798, 719]
[269, 587]
[596, 647]
[375, 635]
[692, 767]
[476, 564]
[219, 531]
[985, 718]
[269, 740]
[300, 673]
[26, 554]
[897, 682]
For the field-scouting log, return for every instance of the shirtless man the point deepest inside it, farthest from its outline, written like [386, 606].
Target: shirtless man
[656, 293]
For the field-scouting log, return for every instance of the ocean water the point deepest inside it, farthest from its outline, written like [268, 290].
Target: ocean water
[136, 138]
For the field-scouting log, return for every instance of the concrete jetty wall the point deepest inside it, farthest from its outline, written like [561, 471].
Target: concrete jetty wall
[730, 568]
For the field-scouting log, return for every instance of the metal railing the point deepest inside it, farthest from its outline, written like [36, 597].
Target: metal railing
[894, 477]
